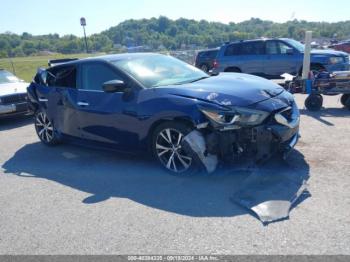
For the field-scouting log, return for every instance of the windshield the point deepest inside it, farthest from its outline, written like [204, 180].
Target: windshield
[7, 77]
[297, 45]
[159, 70]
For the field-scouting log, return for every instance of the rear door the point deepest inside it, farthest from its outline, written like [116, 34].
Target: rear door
[246, 56]
[58, 98]
[252, 55]
[108, 118]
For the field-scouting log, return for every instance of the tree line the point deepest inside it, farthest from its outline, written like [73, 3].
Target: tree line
[166, 34]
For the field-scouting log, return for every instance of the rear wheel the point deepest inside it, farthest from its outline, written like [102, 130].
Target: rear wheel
[205, 68]
[45, 129]
[344, 99]
[167, 148]
[314, 102]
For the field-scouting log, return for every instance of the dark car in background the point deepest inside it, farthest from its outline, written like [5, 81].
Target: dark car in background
[270, 58]
[205, 59]
[13, 95]
[342, 46]
[151, 102]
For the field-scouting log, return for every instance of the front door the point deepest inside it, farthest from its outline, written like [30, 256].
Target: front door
[107, 118]
[279, 60]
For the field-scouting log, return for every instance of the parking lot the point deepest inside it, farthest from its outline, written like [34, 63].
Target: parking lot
[71, 200]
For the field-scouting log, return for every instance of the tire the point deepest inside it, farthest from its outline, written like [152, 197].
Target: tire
[314, 102]
[347, 103]
[166, 147]
[344, 98]
[45, 129]
[205, 68]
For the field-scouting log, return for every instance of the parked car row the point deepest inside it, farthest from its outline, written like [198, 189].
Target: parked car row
[342, 46]
[158, 104]
[270, 58]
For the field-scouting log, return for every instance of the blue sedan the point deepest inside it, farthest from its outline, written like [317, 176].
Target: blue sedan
[154, 103]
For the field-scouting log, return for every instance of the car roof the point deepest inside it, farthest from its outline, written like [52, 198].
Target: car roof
[256, 40]
[209, 50]
[108, 58]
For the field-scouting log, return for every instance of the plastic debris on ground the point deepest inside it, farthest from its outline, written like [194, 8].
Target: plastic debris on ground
[271, 195]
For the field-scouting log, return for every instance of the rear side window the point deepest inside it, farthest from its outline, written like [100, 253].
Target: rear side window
[252, 48]
[232, 50]
[65, 76]
[246, 48]
[212, 54]
[208, 54]
[94, 75]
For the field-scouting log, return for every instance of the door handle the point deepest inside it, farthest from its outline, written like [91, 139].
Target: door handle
[83, 104]
[43, 99]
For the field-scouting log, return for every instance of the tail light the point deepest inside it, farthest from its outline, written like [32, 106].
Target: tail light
[215, 64]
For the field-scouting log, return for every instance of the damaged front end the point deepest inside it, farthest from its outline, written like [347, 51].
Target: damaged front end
[236, 133]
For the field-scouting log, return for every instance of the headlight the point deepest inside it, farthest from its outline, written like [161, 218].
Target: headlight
[238, 116]
[336, 60]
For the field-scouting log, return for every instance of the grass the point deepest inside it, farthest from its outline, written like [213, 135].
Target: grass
[26, 67]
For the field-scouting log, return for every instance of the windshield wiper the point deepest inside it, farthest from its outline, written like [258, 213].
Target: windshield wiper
[198, 79]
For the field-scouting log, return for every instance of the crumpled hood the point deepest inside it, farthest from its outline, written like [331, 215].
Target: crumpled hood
[328, 52]
[228, 89]
[13, 88]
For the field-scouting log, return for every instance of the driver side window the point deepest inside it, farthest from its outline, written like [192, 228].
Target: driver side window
[95, 74]
[283, 48]
[276, 48]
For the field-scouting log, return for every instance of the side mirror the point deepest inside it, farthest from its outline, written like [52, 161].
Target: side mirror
[41, 76]
[290, 51]
[114, 86]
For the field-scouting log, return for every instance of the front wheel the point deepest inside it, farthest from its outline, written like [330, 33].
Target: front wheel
[167, 148]
[347, 103]
[344, 99]
[45, 129]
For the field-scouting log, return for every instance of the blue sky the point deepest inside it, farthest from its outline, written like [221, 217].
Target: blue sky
[62, 16]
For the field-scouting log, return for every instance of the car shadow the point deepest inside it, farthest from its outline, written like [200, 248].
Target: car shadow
[325, 113]
[13, 122]
[104, 175]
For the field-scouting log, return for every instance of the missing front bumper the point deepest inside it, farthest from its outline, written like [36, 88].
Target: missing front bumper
[209, 147]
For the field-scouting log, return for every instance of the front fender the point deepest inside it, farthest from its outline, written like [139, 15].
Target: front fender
[168, 108]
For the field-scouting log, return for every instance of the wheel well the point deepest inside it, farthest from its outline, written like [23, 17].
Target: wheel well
[317, 65]
[183, 120]
[233, 69]
[320, 66]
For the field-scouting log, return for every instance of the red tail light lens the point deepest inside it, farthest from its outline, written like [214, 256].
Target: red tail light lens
[215, 64]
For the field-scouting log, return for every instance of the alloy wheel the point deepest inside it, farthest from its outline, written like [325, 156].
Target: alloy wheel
[170, 152]
[44, 127]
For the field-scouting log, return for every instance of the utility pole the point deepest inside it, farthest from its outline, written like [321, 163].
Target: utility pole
[83, 24]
